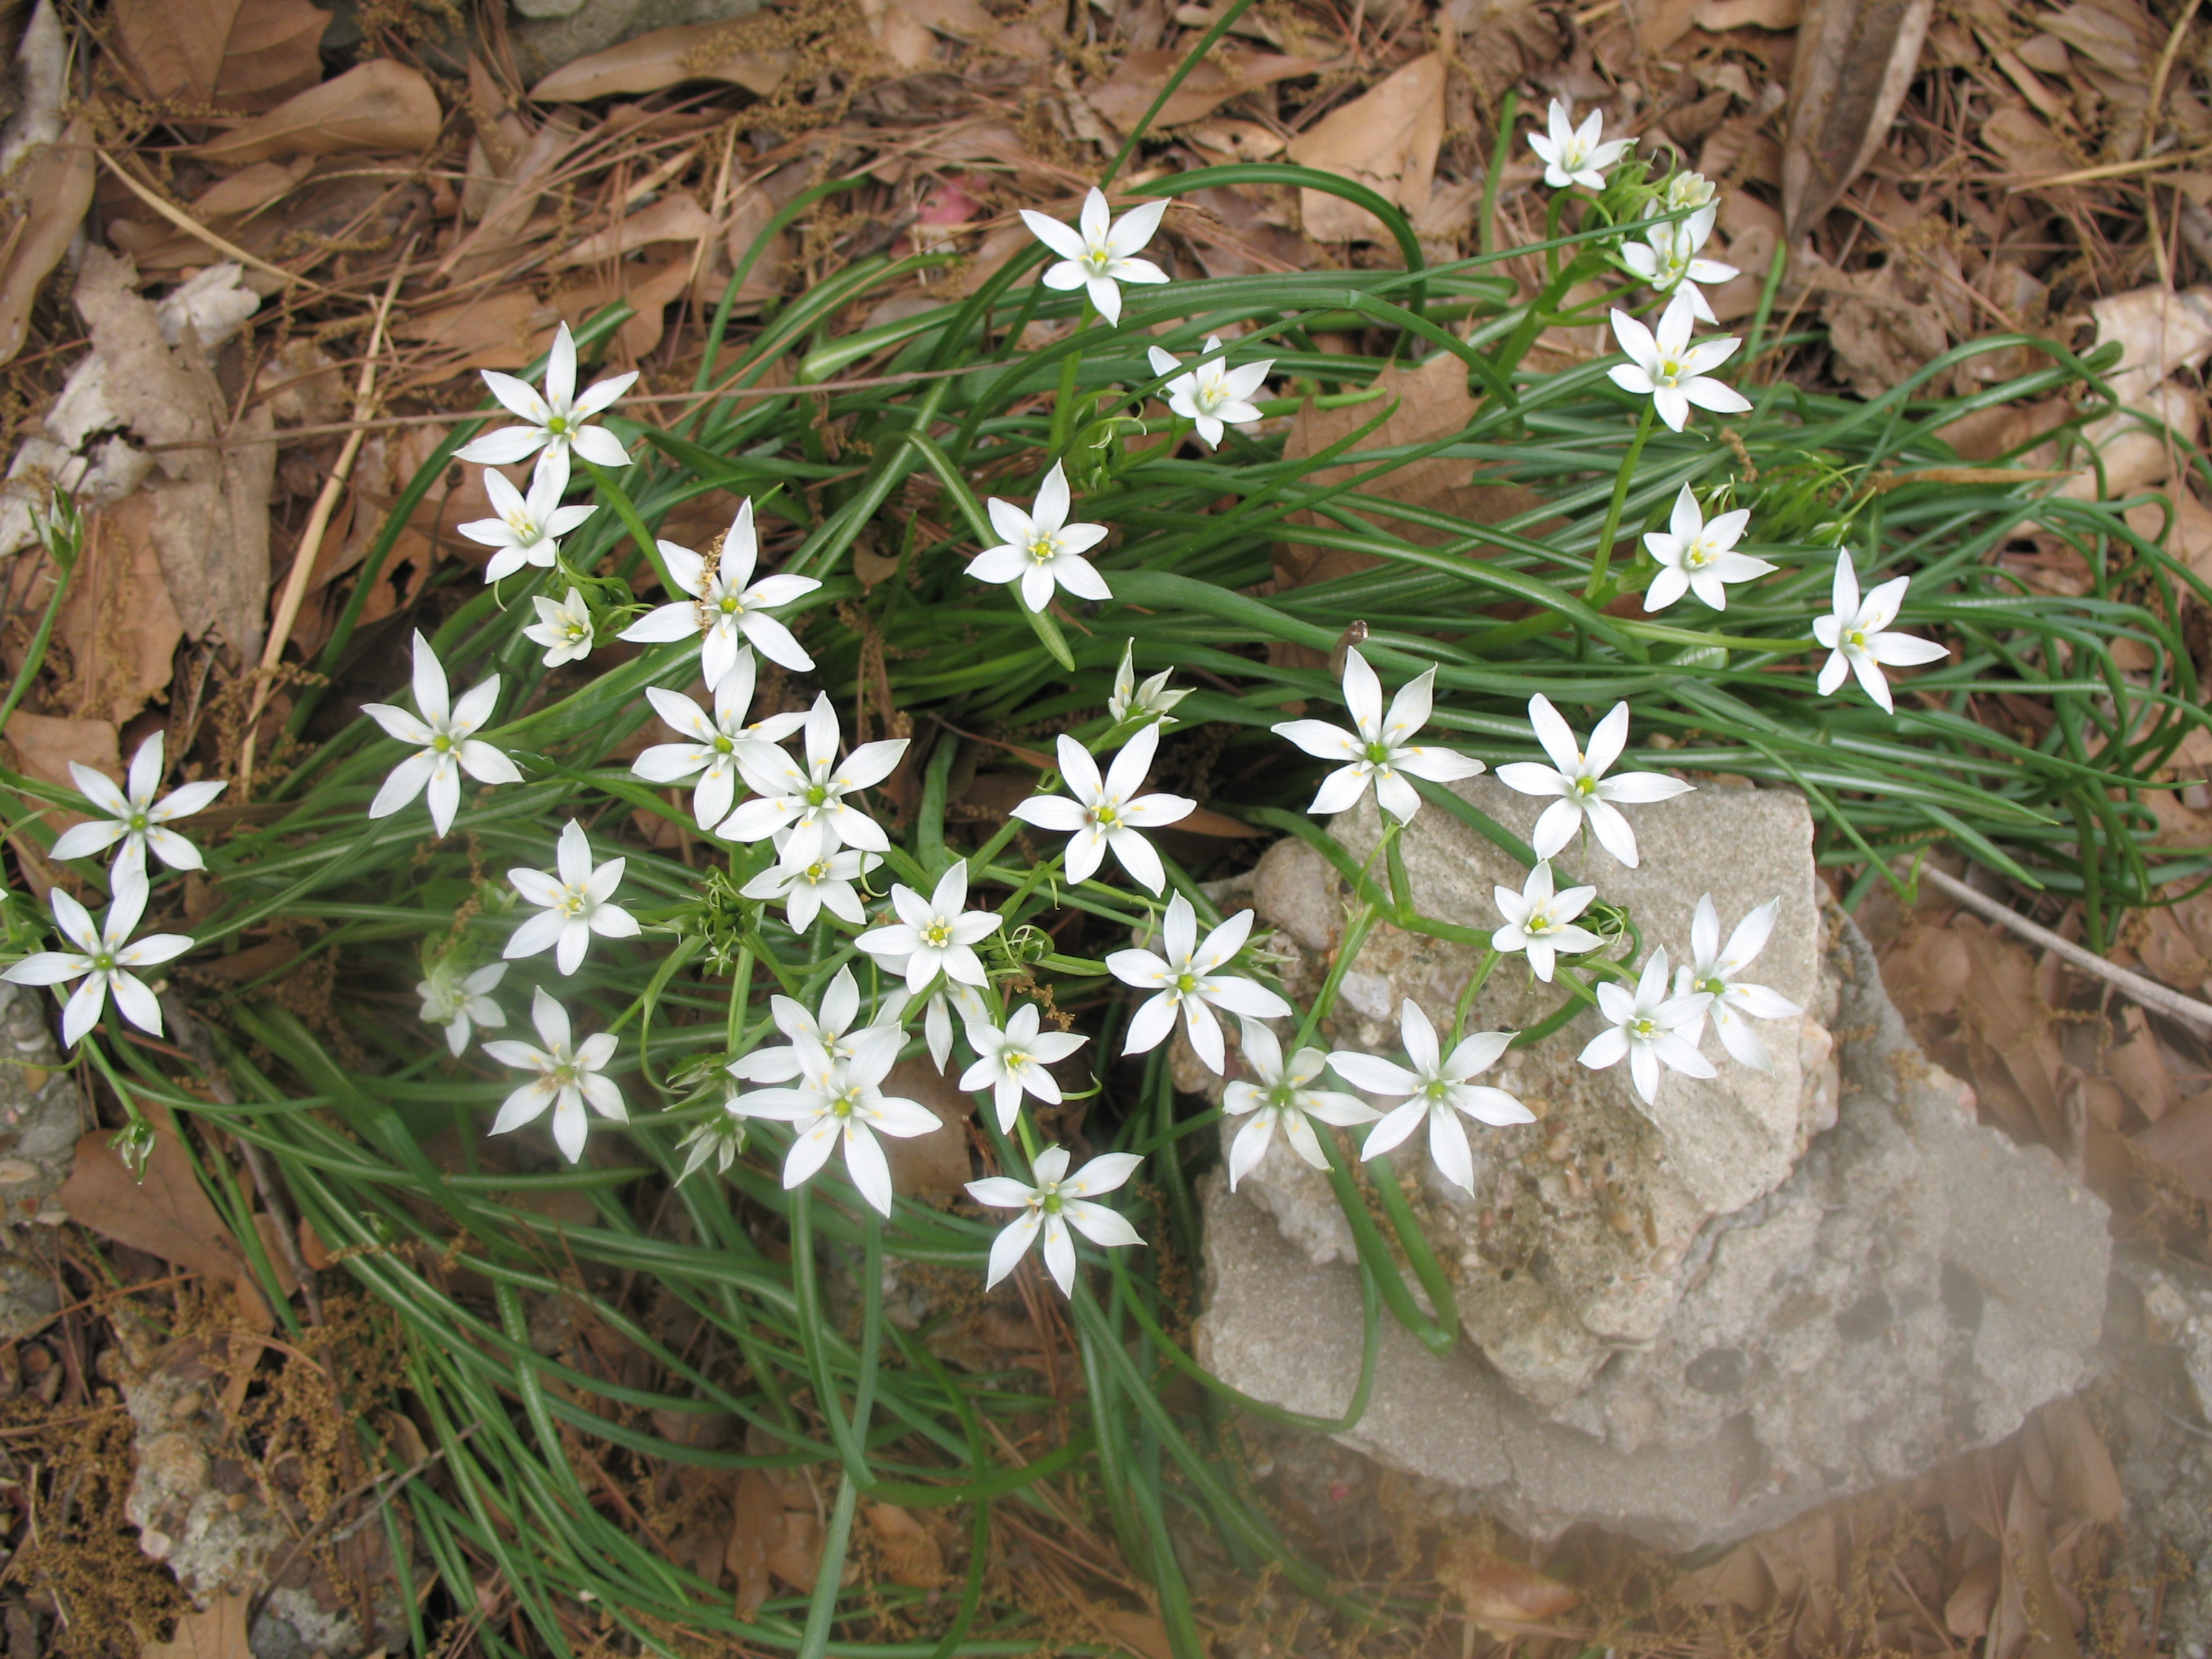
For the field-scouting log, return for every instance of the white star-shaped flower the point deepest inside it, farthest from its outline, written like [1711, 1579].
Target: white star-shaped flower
[568, 1078]
[132, 816]
[1684, 189]
[1541, 922]
[830, 1028]
[1012, 1062]
[717, 1141]
[806, 889]
[1858, 638]
[807, 808]
[1586, 796]
[565, 630]
[936, 934]
[1099, 253]
[103, 959]
[1670, 371]
[727, 609]
[1186, 981]
[840, 1101]
[1438, 1087]
[1107, 813]
[711, 752]
[1572, 154]
[555, 420]
[1698, 557]
[1057, 1202]
[1712, 976]
[1042, 549]
[446, 744]
[1212, 396]
[937, 1009]
[579, 901]
[1277, 1095]
[529, 527]
[1381, 749]
[1669, 259]
[458, 1004]
[1130, 700]
[1647, 1030]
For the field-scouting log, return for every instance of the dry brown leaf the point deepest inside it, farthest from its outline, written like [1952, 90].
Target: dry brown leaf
[1719, 17]
[2083, 1481]
[2139, 1068]
[1855, 62]
[46, 198]
[45, 744]
[118, 623]
[247, 55]
[1491, 1586]
[1966, 1612]
[1140, 1633]
[910, 1552]
[1386, 139]
[2180, 1143]
[649, 286]
[169, 1215]
[676, 217]
[210, 522]
[1124, 96]
[2021, 138]
[377, 105]
[666, 58]
[218, 1632]
[906, 33]
[936, 1164]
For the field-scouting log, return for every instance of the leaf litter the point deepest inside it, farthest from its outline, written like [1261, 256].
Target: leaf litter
[1931, 179]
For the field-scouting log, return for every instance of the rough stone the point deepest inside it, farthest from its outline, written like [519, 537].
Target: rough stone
[38, 1125]
[1876, 1283]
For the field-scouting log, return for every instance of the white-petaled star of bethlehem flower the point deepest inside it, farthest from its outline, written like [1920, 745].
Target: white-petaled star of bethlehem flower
[529, 527]
[831, 1029]
[806, 889]
[1667, 368]
[579, 901]
[1098, 253]
[1711, 975]
[1438, 1087]
[1042, 549]
[1586, 795]
[806, 807]
[711, 750]
[1684, 189]
[1212, 396]
[1542, 922]
[1011, 1062]
[1572, 154]
[565, 630]
[1698, 557]
[1106, 814]
[1646, 1031]
[936, 1010]
[443, 733]
[1186, 981]
[132, 816]
[458, 1003]
[1277, 1095]
[716, 1139]
[1151, 701]
[839, 1100]
[568, 1078]
[1858, 638]
[556, 420]
[1380, 749]
[1670, 259]
[936, 934]
[1057, 1201]
[103, 959]
[726, 607]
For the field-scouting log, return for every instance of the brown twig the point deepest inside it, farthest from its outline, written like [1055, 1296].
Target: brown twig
[2148, 992]
[311, 539]
[191, 226]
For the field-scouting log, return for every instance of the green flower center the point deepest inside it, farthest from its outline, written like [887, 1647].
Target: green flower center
[732, 605]
[1186, 983]
[1698, 556]
[1585, 786]
[817, 794]
[441, 744]
[1712, 985]
[1436, 1090]
[1644, 1028]
[816, 872]
[557, 425]
[1538, 924]
[1378, 754]
[1105, 816]
[1048, 1198]
[936, 936]
[1045, 549]
[1857, 639]
[1098, 259]
[103, 962]
[571, 902]
[139, 821]
[722, 746]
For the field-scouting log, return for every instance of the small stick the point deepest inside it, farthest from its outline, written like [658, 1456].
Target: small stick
[191, 226]
[2148, 992]
[311, 540]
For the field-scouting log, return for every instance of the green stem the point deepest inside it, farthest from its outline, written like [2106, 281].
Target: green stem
[1599, 590]
[1418, 1256]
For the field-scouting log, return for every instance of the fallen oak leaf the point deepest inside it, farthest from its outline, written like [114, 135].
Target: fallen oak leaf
[666, 58]
[217, 1631]
[245, 55]
[1386, 139]
[378, 105]
[1855, 62]
[1124, 96]
[1492, 1587]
